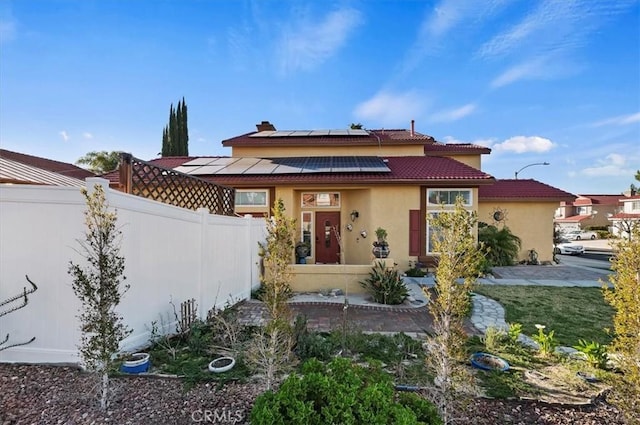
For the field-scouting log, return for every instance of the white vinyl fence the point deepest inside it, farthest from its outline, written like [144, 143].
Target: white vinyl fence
[171, 254]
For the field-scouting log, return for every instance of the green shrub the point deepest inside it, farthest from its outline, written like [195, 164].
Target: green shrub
[385, 285]
[502, 246]
[415, 272]
[314, 345]
[343, 393]
[595, 353]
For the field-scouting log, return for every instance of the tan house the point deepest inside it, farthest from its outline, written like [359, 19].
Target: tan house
[627, 218]
[341, 185]
[587, 211]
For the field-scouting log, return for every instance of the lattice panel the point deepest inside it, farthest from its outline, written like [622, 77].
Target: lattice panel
[179, 189]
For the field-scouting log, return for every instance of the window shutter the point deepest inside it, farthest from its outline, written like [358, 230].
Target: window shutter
[414, 232]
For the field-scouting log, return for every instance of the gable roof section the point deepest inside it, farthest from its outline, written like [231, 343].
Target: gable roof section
[19, 173]
[523, 190]
[58, 167]
[572, 219]
[372, 138]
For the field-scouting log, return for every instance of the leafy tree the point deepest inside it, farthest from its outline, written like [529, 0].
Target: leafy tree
[100, 162]
[625, 299]
[355, 126]
[502, 246]
[98, 285]
[459, 257]
[175, 135]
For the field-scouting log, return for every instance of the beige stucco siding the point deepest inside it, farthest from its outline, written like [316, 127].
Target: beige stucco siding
[530, 221]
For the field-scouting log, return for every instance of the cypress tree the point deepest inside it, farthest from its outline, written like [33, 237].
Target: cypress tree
[175, 136]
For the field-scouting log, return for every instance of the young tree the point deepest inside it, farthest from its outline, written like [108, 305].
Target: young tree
[100, 162]
[175, 135]
[271, 349]
[625, 299]
[459, 258]
[98, 285]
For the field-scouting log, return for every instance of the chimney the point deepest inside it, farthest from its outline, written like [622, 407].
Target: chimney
[413, 128]
[265, 126]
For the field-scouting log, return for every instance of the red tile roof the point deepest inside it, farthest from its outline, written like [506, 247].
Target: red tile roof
[623, 216]
[62, 168]
[572, 219]
[166, 162]
[435, 149]
[374, 138]
[597, 199]
[404, 169]
[527, 189]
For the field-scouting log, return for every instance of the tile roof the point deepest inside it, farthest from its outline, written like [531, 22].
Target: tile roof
[572, 219]
[623, 216]
[166, 162]
[597, 199]
[16, 172]
[459, 148]
[374, 138]
[62, 168]
[523, 189]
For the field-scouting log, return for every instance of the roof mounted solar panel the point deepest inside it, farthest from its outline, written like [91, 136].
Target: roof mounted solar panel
[339, 133]
[265, 133]
[319, 133]
[357, 132]
[199, 161]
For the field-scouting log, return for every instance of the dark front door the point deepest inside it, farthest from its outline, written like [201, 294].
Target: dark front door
[327, 247]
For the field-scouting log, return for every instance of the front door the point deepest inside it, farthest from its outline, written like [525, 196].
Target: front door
[327, 246]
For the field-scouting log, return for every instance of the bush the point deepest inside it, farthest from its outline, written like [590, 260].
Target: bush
[502, 246]
[385, 285]
[343, 393]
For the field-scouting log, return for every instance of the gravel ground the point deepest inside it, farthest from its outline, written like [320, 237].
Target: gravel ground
[32, 394]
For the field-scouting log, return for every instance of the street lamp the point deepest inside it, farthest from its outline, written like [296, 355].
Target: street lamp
[530, 165]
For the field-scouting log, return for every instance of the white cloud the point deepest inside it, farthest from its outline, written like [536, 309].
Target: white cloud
[454, 114]
[613, 165]
[311, 43]
[522, 144]
[87, 135]
[619, 120]
[390, 109]
[64, 135]
[526, 70]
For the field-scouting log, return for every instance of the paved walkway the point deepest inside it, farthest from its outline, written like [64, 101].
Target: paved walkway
[325, 313]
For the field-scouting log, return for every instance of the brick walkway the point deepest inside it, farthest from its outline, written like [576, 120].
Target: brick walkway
[325, 317]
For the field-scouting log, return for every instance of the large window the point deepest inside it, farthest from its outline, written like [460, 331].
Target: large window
[251, 198]
[583, 210]
[321, 199]
[307, 225]
[432, 231]
[448, 196]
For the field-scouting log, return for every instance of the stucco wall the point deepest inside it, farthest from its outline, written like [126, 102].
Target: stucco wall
[530, 221]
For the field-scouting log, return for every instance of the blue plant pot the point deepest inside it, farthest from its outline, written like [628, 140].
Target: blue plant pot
[486, 361]
[139, 363]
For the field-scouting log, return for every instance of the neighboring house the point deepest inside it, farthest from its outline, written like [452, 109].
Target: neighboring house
[586, 211]
[627, 218]
[21, 168]
[358, 180]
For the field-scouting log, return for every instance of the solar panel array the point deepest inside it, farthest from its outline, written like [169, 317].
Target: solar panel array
[312, 133]
[288, 165]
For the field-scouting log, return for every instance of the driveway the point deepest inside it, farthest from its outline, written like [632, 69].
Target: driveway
[561, 273]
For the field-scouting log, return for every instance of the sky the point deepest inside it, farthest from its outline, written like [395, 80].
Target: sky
[537, 81]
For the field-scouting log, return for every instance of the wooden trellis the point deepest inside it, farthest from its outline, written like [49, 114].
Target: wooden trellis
[151, 181]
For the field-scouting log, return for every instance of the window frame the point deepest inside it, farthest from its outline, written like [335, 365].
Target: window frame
[450, 204]
[262, 191]
[337, 196]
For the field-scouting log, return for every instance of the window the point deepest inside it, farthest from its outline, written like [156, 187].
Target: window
[432, 231]
[583, 210]
[635, 206]
[251, 198]
[448, 196]
[307, 225]
[321, 199]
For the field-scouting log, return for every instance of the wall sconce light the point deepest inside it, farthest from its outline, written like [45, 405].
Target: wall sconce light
[349, 227]
[363, 233]
[354, 215]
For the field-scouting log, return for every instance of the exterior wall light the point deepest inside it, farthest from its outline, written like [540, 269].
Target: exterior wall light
[363, 233]
[350, 227]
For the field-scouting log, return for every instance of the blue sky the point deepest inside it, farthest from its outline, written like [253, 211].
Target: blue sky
[535, 80]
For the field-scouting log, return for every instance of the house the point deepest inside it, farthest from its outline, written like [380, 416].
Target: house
[587, 211]
[19, 168]
[341, 185]
[627, 218]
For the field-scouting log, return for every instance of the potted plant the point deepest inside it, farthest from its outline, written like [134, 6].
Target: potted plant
[136, 363]
[381, 246]
[302, 252]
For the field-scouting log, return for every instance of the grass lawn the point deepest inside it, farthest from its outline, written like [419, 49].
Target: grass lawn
[574, 313]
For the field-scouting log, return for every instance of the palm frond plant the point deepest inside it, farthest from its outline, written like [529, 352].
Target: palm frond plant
[502, 246]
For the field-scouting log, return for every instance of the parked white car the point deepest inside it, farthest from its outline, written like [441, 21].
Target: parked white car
[568, 248]
[576, 235]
